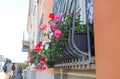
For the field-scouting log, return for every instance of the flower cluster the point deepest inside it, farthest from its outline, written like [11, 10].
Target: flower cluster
[44, 52]
[37, 58]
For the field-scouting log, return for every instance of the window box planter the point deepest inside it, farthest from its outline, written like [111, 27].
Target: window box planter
[81, 41]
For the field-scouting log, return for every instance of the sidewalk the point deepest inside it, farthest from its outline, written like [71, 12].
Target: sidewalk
[5, 76]
[2, 75]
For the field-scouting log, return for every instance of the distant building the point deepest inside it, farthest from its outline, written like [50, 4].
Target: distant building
[2, 61]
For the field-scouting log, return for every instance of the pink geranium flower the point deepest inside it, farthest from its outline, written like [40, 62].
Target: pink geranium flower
[38, 64]
[57, 18]
[44, 67]
[43, 27]
[41, 62]
[57, 33]
[54, 26]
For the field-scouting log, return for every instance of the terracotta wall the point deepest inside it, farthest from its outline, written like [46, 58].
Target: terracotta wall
[47, 9]
[107, 38]
[48, 6]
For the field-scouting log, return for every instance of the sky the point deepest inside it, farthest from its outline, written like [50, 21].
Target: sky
[13, 21]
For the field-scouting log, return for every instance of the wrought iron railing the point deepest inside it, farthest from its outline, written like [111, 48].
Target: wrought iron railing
[72, 54]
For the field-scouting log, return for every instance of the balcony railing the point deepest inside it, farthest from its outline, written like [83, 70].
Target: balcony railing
[79, 48]
[25, 42]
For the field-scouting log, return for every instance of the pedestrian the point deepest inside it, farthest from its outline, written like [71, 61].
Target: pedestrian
[20, 69]
[13, 67]
[19, 73]
[5, 68]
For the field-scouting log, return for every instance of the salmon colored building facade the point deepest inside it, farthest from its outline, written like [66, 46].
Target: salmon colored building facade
[37, 15]
[107, 38]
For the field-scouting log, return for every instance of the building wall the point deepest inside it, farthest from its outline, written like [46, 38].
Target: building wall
[107, 38]
[32, 23]
[36, 9]
[48, 6]
[47, 9]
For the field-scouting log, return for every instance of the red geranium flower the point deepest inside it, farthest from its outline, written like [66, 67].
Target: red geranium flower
[51, 15]
[42, 58]
[37, 49]
[39, 44]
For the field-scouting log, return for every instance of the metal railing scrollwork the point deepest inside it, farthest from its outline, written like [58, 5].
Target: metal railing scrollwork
[72, 50]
